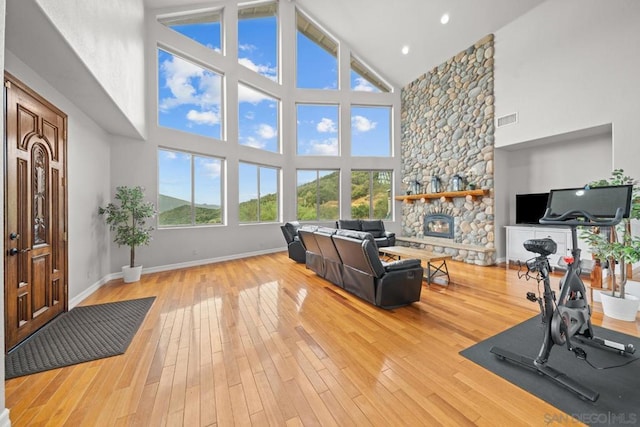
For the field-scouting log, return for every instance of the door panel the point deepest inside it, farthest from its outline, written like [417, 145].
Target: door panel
[35, 212]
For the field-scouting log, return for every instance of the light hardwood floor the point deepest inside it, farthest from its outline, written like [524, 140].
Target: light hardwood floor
[263, 341]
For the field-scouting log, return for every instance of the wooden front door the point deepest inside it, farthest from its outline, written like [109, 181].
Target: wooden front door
[35, 228]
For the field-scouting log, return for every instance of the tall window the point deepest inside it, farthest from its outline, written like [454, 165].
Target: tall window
[189, 189]
[259, 193]
[189, 96]
[257, 119]
[317, 56]
[371, 194]
[202, 27]
[317, 130]
[258, 38]
[365, 80]
[318, 194]
[371, 131]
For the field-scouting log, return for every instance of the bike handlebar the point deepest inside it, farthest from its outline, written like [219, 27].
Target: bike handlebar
[570, 218]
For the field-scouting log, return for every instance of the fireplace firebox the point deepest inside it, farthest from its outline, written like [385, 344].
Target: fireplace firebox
[438, 225]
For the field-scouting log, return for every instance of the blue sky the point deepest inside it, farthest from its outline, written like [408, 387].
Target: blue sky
[189, 99]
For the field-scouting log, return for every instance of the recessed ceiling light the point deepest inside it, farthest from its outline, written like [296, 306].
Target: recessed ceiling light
[444, 19]
[405, 50]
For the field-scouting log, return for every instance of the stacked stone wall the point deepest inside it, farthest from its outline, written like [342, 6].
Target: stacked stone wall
[448, 129]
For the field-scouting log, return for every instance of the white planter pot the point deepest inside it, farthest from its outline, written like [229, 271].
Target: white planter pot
[618, 308]
[131, 274]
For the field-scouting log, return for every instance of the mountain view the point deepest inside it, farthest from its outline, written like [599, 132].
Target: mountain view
[175, 211]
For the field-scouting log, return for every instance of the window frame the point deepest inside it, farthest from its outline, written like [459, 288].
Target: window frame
[192, 172]
[258, 166]
[389, 109]
[222, 105]
[278, 121]
[192, 16]
[317, 180]
[371, 193]
[262, 9]
[337, 123]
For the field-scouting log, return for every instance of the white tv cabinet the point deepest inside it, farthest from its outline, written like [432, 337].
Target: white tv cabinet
[517, 234]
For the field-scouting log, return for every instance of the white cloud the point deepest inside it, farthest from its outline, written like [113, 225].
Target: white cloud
[250, 115]
[364, 86]
[266, 132]
[189, 84]
[327, 147]
[265, 70]
[362, 124]
[246, 94]
[170, 155]
[247, 47]
[212, 167]
[326, 126]
[203, 117]
[253, 142]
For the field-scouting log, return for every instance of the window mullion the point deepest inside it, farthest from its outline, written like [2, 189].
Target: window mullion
[258, 195]
[193, 191]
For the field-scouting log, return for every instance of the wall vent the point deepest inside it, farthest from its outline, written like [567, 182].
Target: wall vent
[508, 119]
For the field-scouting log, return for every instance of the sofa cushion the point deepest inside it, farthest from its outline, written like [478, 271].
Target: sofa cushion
[360, 235]
[375, 227]
[349, 224]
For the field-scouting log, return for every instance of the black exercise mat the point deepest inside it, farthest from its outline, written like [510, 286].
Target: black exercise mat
[82, 334]
[619, 388]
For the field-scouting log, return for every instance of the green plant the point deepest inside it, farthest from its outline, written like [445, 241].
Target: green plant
[618, 246]
[128, 218]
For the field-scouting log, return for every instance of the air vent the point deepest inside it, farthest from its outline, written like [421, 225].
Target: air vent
[509, 119]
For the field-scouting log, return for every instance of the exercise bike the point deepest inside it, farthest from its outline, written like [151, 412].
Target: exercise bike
[567, 319]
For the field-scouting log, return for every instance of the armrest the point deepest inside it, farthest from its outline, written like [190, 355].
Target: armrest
[389, 234]
[401, 264]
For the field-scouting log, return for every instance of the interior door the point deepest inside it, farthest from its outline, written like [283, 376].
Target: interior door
[35, 261]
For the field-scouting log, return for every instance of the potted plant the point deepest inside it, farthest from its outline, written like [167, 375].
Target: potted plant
[617, 247]
[128, 219]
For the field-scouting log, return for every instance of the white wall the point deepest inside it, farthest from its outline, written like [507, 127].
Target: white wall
[108, 37]
[567, 66]
[538, 168]
[88, 174]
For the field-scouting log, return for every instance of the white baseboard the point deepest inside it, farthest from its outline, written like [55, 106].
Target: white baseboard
[4, 418]
[78, 299]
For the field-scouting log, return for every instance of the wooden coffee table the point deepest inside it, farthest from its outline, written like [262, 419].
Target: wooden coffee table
[436, 264]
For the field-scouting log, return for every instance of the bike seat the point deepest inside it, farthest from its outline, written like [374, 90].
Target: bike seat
[543, 247]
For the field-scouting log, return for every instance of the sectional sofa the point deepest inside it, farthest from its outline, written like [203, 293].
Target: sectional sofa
[350, 260]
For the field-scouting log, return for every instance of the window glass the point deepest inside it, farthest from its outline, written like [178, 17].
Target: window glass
[317, 133]
[371, 194]
[204, 28]
[316, 55]
[318, 195]
[365, 80]
[371, 131]
[189, 96]
[189, 189]
[207, 190]
[258, 39]
[257, 119]
[259, 193]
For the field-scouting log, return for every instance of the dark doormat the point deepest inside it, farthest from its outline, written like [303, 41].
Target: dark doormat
[80, 335]
[619, 388]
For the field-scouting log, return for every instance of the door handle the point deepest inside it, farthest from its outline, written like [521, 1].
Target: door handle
[16, 251]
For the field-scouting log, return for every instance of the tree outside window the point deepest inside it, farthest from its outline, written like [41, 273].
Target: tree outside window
[371, 194]
[318, 195]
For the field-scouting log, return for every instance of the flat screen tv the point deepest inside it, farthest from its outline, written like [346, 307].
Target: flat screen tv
[530, 207]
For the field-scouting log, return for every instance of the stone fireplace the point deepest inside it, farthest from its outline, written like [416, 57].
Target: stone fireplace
[438, 225]
[447, 129]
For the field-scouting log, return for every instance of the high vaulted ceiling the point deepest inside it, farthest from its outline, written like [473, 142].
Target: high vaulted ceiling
[376, 30]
